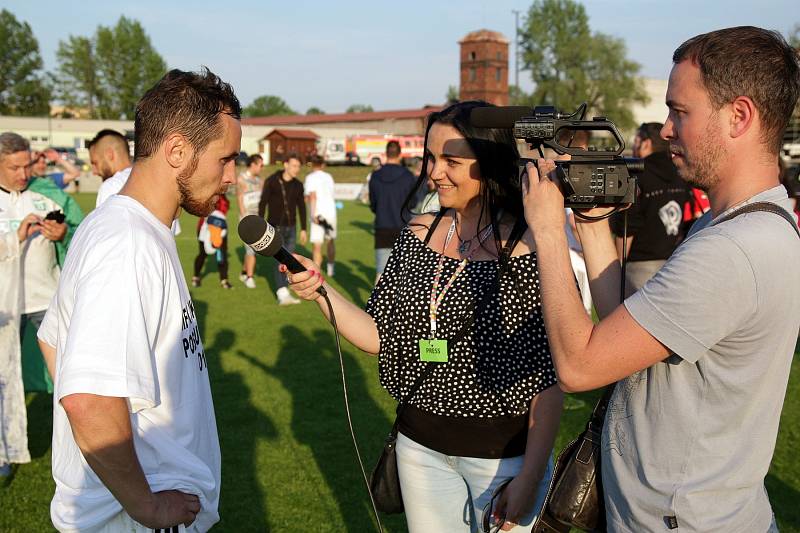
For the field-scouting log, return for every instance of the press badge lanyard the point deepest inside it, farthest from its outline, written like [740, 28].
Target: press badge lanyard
[433, 349]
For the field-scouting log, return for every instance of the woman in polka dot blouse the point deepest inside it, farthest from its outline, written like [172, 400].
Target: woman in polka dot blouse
[488, 409]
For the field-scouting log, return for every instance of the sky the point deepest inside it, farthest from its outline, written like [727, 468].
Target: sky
[390, 55]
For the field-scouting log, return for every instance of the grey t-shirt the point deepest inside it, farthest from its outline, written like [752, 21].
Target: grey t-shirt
[692, 437]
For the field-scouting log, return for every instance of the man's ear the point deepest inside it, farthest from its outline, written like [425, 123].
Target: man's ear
[176, 150]
[742, 116]
[646, 146]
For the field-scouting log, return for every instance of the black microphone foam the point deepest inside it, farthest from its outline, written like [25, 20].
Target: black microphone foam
[264, 240]
[498, 117]
[260, 236]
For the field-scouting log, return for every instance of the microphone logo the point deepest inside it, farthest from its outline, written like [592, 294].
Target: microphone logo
[265, 240]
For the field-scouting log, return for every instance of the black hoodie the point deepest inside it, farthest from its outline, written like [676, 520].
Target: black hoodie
[656, 219]
[389, 186]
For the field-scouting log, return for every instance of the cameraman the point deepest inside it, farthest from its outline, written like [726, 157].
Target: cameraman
[702, 352]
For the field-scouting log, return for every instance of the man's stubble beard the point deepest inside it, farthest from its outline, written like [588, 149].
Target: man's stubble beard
[702, 171]
[190, 203]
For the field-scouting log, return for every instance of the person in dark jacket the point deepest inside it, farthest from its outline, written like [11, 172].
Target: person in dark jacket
[389, 187]
[282, 199]
[655, 222]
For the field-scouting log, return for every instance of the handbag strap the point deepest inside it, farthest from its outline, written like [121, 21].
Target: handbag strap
[768, 207]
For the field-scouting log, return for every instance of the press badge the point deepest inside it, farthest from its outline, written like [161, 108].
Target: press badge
[433, 350]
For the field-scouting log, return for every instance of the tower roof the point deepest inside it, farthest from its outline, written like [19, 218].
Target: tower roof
[484, 35]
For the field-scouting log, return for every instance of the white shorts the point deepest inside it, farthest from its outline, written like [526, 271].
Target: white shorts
[122, 522]
[318, 234]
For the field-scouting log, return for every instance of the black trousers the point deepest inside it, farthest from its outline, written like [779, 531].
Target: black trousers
[222, 264]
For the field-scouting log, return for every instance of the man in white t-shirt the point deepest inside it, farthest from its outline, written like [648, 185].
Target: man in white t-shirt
[109, 155]
[248, 196]
[322, 210]
[135, 442]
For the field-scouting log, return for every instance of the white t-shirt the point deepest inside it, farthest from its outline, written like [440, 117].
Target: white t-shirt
[124, 325]
[37, 255]
[114, 184]
[321, 183]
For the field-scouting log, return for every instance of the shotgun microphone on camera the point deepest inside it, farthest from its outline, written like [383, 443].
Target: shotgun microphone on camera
[261, 236]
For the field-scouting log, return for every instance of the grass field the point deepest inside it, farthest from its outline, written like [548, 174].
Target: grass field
[288, 462]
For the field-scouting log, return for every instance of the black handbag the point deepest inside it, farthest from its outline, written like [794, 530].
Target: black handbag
[575, 494]
[384, 481]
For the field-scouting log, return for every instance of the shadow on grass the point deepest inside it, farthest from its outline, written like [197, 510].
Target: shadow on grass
[353, 282]
[308, 368]
[40, 424]
[240, 427]
[784, 499]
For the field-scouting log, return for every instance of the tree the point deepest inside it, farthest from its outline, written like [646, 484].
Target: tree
[268, 105]
[452, 94]
[108, 73]
[794, 36]
[359, 108]
[571, 65]
[23, 89]
[314, 110]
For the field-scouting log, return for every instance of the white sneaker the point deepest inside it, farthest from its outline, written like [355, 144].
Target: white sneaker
[330, 269]
[242, 277]
[285, 297]
[249, 282]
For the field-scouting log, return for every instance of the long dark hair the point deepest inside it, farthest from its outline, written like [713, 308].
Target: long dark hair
[497, 157]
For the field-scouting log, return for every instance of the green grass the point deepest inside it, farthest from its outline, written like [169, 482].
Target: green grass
[288, 462]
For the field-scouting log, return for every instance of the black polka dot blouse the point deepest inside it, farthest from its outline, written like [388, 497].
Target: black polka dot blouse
[502, 362]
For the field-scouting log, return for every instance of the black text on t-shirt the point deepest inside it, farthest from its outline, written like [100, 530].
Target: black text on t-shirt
[191, 342]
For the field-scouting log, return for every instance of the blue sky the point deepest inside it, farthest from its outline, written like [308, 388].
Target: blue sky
[390, 55]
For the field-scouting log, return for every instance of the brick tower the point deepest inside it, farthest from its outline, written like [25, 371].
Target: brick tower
[484, 67]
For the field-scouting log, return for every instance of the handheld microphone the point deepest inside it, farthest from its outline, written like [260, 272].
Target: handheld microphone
[261, 236]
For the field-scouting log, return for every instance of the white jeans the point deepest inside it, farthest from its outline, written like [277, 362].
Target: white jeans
[447, 494]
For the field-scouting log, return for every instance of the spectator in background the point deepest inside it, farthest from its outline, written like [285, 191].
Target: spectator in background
[69, 172]
[212, 237]
[110, 156]
[655, 221]
[322, 209]
[248, 196]
[389, 187]
[282, 200]
[37, 220]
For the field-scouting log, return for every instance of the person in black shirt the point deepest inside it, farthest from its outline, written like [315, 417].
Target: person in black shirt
[655, 221]
[448, 314]
[282, 200]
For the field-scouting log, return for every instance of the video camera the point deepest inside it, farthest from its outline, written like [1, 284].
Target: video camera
[593, 177]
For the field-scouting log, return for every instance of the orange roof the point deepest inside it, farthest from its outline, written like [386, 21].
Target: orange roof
[341, 117]
[484, 35]
[294, 134]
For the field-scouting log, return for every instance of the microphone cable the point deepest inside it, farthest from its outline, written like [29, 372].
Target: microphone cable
[347, 410]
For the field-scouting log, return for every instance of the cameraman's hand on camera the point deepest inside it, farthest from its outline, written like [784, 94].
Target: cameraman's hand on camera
[304, 284]
[541, 198]
[52, 230]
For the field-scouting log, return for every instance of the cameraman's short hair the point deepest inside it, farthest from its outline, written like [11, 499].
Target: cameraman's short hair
[112, 135]
[752, 62]
[11, 143]
[253, 159]
[187, 103]
[317, 160]
[652, 131]
[393, 149]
